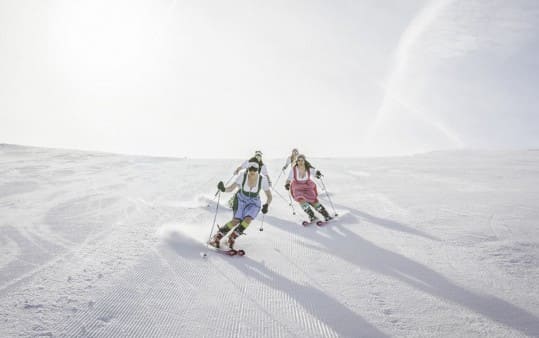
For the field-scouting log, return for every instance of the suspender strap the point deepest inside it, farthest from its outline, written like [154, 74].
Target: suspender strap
[248, 193]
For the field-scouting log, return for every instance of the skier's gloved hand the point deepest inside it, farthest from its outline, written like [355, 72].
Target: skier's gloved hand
[287, 186]
[265, 208]
[318, 174]
[221, 186]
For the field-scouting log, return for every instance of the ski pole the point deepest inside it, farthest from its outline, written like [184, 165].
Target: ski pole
[214, 217]
[284, 199]
[262, 223]
[279, 194]
[329, 198]
[278, 177]
[291, 204]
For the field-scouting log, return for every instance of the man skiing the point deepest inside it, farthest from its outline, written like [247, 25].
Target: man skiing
[261, 169]
[261, 166]
[304, 190]
[247, 203]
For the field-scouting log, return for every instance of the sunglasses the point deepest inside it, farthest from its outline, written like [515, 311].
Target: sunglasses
[252, 169]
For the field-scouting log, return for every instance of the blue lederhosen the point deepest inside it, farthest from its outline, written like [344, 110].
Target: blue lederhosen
[247, 203]
[247, 206]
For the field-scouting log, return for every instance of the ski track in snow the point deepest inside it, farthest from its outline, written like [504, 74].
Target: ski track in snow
[107, 245]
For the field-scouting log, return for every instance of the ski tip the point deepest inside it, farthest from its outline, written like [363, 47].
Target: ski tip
[231, 252]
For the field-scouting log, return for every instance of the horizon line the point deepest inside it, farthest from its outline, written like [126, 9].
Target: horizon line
[535, 148]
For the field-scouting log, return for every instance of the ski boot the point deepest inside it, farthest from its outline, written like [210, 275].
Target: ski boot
[324, 212]
[216, 240]
[308, 211]
[232, 239]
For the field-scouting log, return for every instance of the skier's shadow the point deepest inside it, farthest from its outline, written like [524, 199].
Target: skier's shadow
[386, 223]
[328, 310]
[364, 254]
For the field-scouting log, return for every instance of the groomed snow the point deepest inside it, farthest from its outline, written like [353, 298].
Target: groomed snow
[101, 245]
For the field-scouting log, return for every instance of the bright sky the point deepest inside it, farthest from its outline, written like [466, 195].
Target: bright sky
[224, 78]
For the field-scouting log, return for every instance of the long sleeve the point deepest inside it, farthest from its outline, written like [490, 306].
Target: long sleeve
[291, 174]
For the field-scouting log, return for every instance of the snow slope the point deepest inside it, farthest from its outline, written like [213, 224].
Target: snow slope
[442, 244]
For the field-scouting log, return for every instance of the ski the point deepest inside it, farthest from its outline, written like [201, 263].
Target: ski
[317, 222]
[228, 252]
[307, 223]
[322, 223]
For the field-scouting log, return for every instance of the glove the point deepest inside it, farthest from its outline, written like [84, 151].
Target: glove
[265, 208]
[318, 174]
[284, 168]
[221, 186]
[287, 186]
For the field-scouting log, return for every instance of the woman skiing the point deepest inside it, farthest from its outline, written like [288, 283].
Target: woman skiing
[291, 159]
[246, 206]
[304, 190]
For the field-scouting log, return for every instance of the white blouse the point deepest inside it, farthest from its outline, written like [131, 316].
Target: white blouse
[312, 171]
[265, 184]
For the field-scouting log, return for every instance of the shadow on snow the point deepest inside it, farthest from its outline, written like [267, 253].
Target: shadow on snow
[364, 254]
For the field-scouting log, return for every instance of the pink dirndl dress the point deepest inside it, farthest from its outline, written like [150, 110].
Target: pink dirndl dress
[304, 189]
